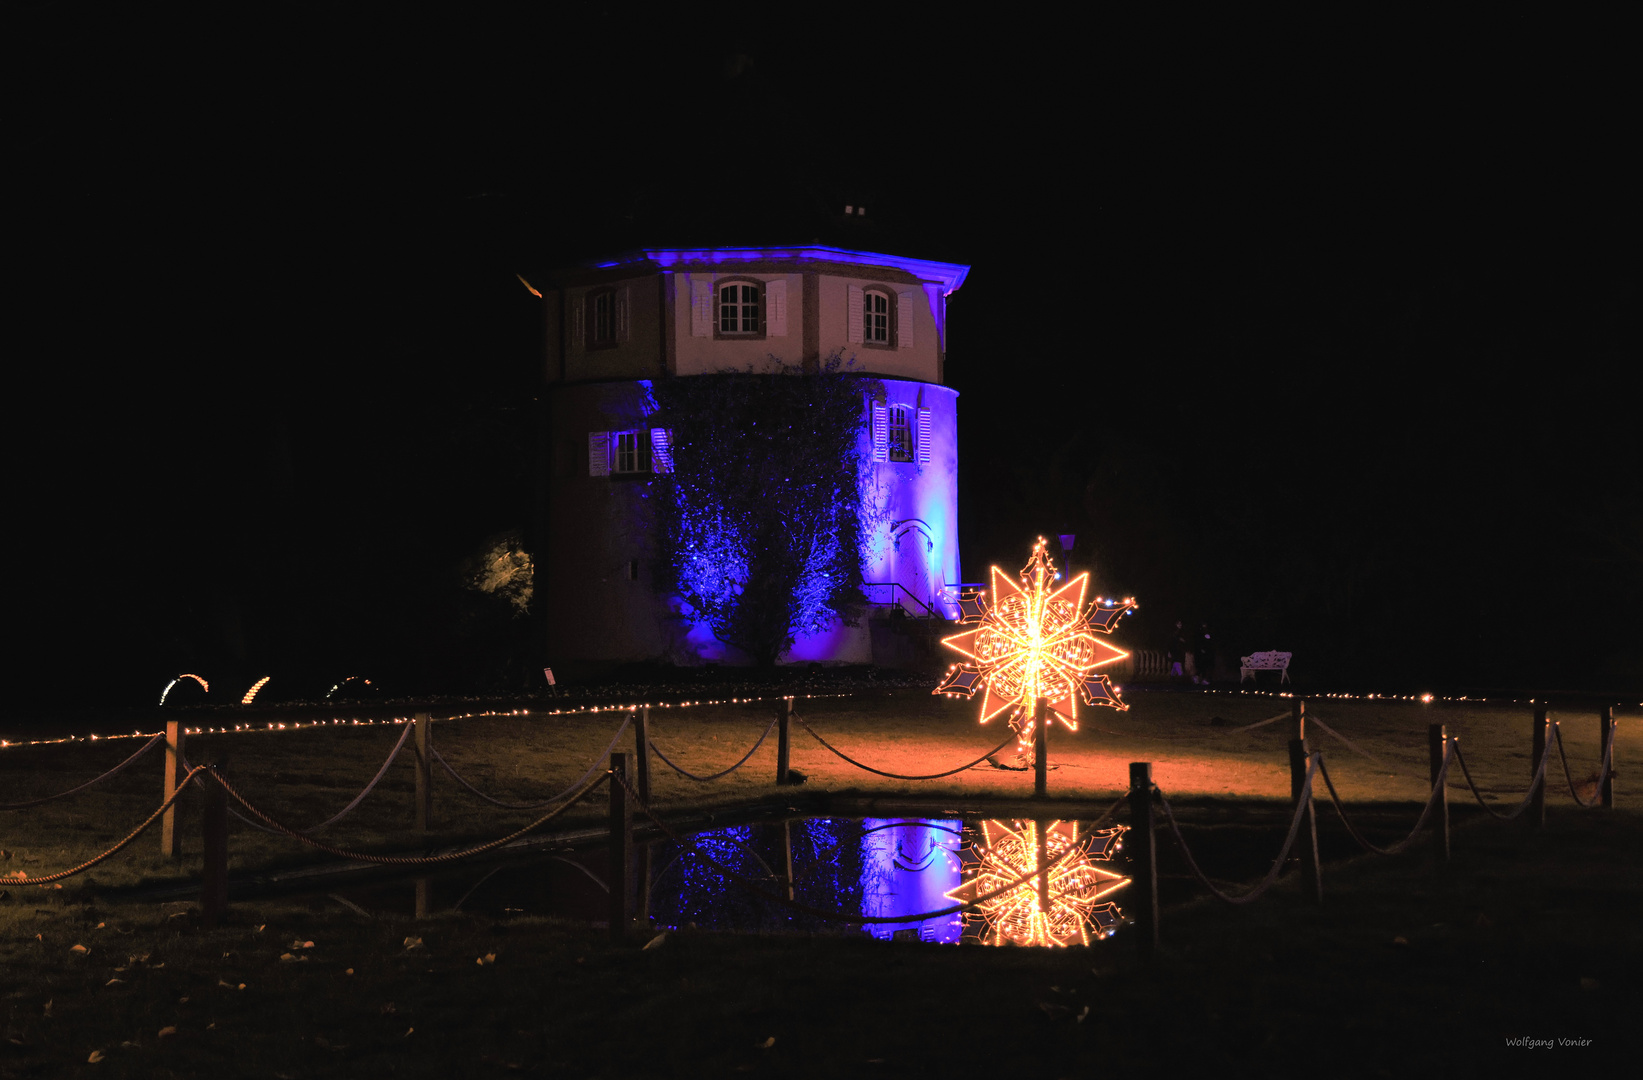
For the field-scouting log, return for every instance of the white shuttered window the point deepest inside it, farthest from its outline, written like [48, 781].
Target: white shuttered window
[645, 450]
[775, 308]
[701, 305]
[598, 453]
[661, 450]
[906, 312]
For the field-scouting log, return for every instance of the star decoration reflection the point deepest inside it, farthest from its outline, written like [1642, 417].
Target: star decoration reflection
[1074, 913]
[1036, 641]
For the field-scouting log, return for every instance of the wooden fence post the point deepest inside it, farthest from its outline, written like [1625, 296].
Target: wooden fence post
[621, 846]
[1537, 742]
[1299, 761]
[1297, 769]
[214, 838]
[784, 747]
[641, 749]
[1144, 850]
[1437, 741]
[1041, 749]
[1297, 719]
[1605, 745]
[422, 896]
[170, 845]
[424, 771]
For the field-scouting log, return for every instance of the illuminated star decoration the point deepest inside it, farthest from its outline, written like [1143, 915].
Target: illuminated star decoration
[1076, 885]
[1036, 641]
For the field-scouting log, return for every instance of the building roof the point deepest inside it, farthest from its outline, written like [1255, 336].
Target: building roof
[949, 275]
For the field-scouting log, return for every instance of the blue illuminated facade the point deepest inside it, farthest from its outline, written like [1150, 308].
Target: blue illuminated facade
[615, 326]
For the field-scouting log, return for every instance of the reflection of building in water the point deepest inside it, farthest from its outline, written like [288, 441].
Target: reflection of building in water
[907, 867]
[1065, 913]
[808, 859]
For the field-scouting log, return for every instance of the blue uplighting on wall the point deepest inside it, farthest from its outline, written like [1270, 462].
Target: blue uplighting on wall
[950, 275]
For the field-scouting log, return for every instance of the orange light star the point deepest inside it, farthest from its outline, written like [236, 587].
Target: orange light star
[1076, 885]
[1036, 641]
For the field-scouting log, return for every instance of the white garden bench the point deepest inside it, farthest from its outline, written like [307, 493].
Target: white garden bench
[1264, 661]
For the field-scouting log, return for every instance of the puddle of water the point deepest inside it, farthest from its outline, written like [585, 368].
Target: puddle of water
[881, 867]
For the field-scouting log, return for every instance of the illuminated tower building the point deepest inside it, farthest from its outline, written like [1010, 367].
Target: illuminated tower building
[615, 326]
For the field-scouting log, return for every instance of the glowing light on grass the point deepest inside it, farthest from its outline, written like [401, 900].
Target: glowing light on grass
[1076, 911]
[1036, 641]
[251, 694]
[203, 685]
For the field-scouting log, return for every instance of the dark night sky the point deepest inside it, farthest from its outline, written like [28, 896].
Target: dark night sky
[1326, 325]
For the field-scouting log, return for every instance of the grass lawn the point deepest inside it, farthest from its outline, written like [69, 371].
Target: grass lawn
[1408, 961]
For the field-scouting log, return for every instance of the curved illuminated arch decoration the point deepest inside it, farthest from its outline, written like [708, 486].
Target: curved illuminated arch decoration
[351, 678]
[170, 685]
[251, 694]
[1077, 909]
[1036, 641]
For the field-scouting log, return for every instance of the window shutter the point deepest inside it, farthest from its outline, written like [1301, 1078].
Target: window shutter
[701, 306]
[661, 450]
[578, 322]
[856, 300]
[624, 330]
[881, 432]
[598, 453]
[775, 308]
[924, 436]
[906, 311]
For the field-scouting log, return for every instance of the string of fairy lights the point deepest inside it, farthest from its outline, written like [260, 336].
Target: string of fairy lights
[271, 726]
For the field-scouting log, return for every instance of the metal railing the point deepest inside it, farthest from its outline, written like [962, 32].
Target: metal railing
[920, 609]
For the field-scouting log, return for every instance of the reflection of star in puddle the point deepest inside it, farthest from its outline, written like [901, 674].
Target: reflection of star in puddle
[1034, 642]
[1076, 885]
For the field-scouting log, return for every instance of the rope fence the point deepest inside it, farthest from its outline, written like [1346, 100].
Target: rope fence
[1605, 770]
[899, 776]
[21, 878]
[408, 860]
[1535, 786]
[146, 747]
[1432, 800]
[1265, 883]
[657, 750]
[599, 761]
[1443, 752]
[1307, 766]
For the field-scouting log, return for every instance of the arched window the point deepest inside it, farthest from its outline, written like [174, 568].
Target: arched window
[740, 309]
[600, 321]
[875, 317]
[602, 318]
[880, 318]
[901, 433]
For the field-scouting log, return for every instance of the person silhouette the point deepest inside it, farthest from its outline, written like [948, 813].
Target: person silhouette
[1203, 655]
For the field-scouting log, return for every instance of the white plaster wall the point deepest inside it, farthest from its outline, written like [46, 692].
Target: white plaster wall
[904, 493]
[919, 362]
[705, 355]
